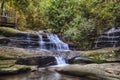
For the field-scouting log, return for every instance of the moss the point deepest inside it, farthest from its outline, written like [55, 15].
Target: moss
[8, 58]
[14, 69]
[102, 55]
[7, 53]
[5, 31]
[7, 63]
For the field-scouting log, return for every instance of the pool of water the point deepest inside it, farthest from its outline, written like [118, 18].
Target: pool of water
[41, 75]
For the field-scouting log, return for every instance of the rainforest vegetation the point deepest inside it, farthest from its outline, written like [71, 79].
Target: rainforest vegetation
[76, 21]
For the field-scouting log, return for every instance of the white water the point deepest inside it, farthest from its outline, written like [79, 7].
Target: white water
[53, 44]
[60, 60]
[59, 45]
[28, 40]
[110, 36]
[41, 42]
[111, 30]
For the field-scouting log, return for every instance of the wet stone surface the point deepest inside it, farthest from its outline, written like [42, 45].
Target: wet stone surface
[41, 75]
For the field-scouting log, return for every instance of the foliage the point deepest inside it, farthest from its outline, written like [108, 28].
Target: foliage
[60, 13]
[81, 31]
[74, 20]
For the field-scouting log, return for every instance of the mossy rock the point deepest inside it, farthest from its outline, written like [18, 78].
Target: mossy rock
[5, 31]
[14, 69]
[7, 63]
[102, 55]
[7, 53]
[11, 32]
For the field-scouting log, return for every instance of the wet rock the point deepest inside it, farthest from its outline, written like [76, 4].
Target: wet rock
[4, 41]
[37, 60]
[79, 59]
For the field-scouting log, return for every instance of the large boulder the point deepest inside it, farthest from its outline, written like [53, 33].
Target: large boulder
[106, 71]
[102, 55]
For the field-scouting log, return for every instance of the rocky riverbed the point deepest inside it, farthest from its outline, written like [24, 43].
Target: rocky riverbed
[100, 64]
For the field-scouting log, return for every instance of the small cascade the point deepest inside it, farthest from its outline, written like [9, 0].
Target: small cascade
[60, 60]
[59, 45]
[37, 41]
[41, 42]
[110, 38]
[29, 41]
[47, 41]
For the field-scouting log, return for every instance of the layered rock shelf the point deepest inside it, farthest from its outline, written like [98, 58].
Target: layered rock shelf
[110, 38]
[31, 40]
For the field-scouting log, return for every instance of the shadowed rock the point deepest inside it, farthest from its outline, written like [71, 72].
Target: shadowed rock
[37, 60]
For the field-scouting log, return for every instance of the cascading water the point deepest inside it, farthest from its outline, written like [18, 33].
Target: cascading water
[60, 60]
[55, 44]
[51, 42]
[28, 40]
[110, 38]
[41, 42]
[59, 45]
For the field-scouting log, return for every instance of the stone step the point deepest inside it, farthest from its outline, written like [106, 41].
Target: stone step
[108, 36]
[108, 41]
[106, 44]
[4, 40]
[112, 34]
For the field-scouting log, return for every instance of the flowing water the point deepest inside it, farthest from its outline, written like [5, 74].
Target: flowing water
[59, 45]
[46, 41]
[44, 75]
[60, 60]
[55, 44]
[41, 42]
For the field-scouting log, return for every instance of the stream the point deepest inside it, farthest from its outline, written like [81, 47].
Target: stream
[41, 75]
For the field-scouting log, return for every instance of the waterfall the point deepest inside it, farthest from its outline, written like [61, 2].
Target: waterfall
[110, 38]
[51, 42]
[29, 41]
[59, 45]
[60, 60]
[41, 42]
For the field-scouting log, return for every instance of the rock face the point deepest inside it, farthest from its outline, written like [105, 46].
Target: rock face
[31, 40]
[42, 61]
[107, 71]
[110, 38]
[8, 58]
